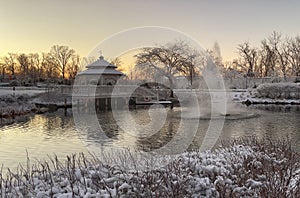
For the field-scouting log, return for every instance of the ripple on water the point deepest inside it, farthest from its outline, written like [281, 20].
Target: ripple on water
[43, 135]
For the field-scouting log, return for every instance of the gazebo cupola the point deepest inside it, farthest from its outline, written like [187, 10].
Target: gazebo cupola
[100, 72]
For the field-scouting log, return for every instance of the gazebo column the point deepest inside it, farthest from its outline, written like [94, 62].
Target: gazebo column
[106, 104]
[116, 103]
[97, 105]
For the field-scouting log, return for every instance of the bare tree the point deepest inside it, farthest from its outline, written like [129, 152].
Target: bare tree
[60, 56]
[281, 50]
[232, 72]
[293, 53]
[10, 63]
[169, 60]
[143, 72]
[36, 69]
[24, 65]
[48, 67]
[73, 66]
[88, 60]
[117, 62]
[2, 69]
[249, 58]
[269, 55]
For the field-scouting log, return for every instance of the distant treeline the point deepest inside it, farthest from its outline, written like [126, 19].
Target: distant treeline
[59, 64]
[275, 57]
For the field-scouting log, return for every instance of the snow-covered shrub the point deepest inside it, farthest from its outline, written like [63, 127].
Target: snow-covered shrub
[245, 168]
[297, 80]
[278, 91]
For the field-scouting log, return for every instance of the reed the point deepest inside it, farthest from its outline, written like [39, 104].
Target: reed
[246, 167]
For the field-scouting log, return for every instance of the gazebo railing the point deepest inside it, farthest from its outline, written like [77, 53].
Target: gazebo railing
[113, 91]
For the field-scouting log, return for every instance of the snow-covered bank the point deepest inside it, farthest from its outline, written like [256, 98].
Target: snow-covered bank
[53, 98]
[14, 106]
[16, 102]
[30, 91]
[270, 93]
[244, 169]
[270, 101]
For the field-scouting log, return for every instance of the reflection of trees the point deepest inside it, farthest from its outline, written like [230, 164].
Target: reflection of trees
[55, 124]
[161, 138]
[20, 120]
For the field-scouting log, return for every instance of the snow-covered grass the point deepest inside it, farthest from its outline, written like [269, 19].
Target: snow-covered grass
[18, 101]
[244, 168]
[15, 104]
[12, 106]
[31, 91]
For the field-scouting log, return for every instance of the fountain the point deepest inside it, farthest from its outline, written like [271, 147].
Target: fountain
[213, 102]
[211, 108]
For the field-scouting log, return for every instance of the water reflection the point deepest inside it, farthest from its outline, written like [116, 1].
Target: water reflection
[273, 122]
[41, 135]
[50, 133]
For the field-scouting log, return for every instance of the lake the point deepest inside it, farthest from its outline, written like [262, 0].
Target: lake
[44, 135]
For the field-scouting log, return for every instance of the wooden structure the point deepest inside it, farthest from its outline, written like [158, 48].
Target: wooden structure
[100, 72]
[98, 85]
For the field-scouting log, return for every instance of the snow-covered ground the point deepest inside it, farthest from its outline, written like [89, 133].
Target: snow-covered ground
[16, 103]
[54, 98]
[269, 93]
[12, 107]
[30, 91]
[239, 170]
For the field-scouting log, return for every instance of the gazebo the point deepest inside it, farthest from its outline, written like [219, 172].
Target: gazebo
[100, 72]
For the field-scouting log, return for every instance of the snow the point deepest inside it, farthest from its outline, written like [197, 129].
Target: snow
[14, 103]
[278, 91]
[12, 106]
[253, 184]
[192, 174]
[269, 93]
[30, 91]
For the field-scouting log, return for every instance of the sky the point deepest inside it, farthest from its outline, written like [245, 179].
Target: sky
[36, 25]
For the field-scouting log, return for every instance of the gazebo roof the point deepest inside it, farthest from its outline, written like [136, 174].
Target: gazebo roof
[99, 67]
[101, 63]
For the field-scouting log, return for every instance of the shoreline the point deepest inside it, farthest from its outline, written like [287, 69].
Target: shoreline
[24, 101]
[16, 104]
[266, 101]
[14, 107]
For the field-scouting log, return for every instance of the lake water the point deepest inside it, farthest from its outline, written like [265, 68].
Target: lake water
[55, 133]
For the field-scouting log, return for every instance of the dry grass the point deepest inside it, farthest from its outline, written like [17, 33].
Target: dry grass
[276, 165]
[242, 168]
